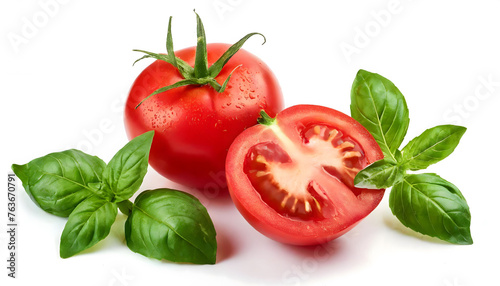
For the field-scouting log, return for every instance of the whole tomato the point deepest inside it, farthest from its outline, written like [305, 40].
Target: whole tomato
[197, 102]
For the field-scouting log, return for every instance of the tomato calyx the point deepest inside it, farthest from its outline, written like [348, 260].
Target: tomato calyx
[200, 74]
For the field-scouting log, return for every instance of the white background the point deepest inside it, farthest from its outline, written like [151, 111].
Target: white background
[66, 68]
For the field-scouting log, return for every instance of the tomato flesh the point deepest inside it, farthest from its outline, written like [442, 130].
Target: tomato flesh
[293, 180]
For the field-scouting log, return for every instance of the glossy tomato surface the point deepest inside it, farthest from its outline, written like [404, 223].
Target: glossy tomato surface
[293, 180]
[195, 125]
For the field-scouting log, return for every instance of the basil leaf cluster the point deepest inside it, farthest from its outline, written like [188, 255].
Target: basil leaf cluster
[163, 223]
[425, 202]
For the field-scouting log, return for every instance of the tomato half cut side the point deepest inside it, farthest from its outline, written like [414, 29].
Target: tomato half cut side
[292, 180]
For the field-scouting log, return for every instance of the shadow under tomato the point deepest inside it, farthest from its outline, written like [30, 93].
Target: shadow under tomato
[207, 196]
[217, 198]
[225, 247]
[319, 252]
[295, 265]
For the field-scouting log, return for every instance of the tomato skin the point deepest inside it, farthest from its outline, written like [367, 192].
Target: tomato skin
[249, 197]
[195, 125]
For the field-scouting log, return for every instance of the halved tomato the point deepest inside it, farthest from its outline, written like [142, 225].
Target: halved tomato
[292, 177]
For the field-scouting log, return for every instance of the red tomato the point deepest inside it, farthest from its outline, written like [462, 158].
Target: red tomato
[292, 180]
[195, 125]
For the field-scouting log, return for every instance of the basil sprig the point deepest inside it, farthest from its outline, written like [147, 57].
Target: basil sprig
[162, 224]
[425, 203]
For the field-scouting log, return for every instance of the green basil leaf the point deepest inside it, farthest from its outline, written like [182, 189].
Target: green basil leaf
[126, 170]
[381, 174]
[381, 108]
[172, 225]
[59, 181]
[88, 224]
[432, 206]
[432, 146]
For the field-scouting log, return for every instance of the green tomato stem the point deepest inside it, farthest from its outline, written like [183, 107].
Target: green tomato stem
[201, 60]
[265, 119]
